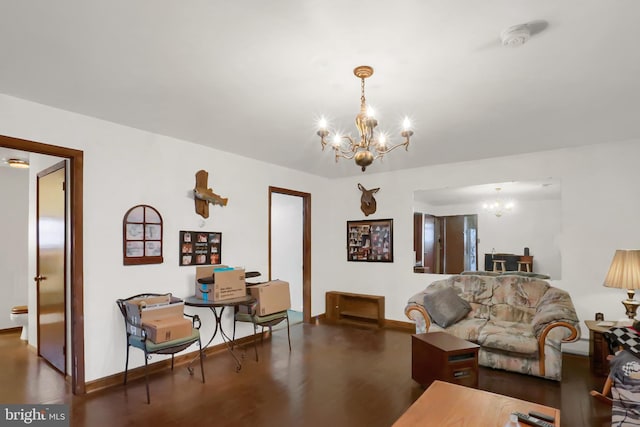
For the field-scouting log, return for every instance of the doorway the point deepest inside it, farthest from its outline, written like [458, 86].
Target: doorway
[445, 244]
[297, 206]
[74, 190]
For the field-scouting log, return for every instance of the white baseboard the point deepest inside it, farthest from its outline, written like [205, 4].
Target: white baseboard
[580, 347]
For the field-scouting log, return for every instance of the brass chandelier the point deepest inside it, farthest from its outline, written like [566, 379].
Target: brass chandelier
[371, 145]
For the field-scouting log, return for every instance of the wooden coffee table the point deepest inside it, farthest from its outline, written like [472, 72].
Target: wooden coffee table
[445, 404]
[441, 356]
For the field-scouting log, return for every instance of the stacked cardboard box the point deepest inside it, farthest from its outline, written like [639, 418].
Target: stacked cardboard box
[227, 283]
[161, 318]
[272, 297]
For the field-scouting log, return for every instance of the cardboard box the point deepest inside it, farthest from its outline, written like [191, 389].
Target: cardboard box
[272, 297]
[207, 270]
[227, 284]
[167, 329]
[144, 310]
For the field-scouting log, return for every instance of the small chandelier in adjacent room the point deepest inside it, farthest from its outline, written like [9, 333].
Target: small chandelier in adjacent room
[498, 206]
[370, 145]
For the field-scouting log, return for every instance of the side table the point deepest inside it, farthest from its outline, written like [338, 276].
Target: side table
[440, 356]
[217, 316]
[598, 347]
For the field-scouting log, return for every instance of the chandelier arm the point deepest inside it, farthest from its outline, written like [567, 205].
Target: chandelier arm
[381, 153]
[323, 133]
[340, 152]
[352, 147]
[344, 154]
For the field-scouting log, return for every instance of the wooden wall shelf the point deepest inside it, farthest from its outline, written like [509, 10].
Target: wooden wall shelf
[356, 309]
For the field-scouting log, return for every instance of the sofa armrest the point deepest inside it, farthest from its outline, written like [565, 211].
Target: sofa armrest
[573, 335]
[556, 309]
[418, 314]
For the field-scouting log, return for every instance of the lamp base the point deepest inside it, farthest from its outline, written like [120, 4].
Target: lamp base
[632, 307]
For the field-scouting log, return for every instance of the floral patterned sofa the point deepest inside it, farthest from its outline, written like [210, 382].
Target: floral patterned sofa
[519, 322]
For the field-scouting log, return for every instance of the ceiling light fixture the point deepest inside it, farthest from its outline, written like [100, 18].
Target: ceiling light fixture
[498, 206]
[18, 163]
[516, 35]
[371, 145]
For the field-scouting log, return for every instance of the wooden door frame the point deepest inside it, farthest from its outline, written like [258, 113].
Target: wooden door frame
[76, 212]
[306, 246]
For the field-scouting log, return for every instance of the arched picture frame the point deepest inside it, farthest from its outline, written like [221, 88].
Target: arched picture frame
[142, 236]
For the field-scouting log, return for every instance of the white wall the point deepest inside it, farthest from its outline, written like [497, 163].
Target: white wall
[535, 224]
[125, 167]
[598, 214]
[14, 278]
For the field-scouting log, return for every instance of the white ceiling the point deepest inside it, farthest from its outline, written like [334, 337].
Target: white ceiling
[251, 77]
[546, 189]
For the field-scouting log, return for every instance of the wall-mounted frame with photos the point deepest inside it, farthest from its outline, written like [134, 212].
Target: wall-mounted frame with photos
[142, 236]
[200, 248]
[370, 241]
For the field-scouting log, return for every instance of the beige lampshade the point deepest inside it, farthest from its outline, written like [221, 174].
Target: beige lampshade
[624, 272]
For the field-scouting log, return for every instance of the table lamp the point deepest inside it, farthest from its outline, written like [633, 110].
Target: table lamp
[624, 273]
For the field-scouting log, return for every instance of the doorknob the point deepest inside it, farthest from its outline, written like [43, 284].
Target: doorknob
[39, 278]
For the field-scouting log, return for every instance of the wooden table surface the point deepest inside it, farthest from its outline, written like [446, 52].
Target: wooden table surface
[444, 404]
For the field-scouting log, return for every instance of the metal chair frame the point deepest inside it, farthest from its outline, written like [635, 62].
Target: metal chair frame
[283, 315]
[170, 347]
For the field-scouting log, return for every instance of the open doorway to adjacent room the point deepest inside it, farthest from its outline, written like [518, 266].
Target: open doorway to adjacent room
[290, 247]
[40, 385]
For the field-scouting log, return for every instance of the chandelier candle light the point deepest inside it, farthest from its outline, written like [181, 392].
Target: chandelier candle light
[371, 145]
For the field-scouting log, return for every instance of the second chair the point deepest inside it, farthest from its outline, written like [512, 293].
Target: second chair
[248, 314]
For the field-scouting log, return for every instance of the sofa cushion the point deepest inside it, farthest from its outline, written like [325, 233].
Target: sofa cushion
[512, 313]
[445, 306]
[518, 291]
[480, 311]
[511, 337]
[467, 329]
[475, 289]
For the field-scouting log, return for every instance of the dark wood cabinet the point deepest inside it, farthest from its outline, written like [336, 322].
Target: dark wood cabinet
[440, 356]
[358, 309]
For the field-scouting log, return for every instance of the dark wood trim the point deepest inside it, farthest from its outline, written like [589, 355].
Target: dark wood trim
[76, 201]
[11, 330]
[165, 364]
[306, 246]
[400, 325]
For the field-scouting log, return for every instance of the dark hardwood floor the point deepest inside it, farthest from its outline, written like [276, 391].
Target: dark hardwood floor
[335, 376]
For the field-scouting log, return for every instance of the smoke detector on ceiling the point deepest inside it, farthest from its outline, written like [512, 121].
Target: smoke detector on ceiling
[516, 35]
